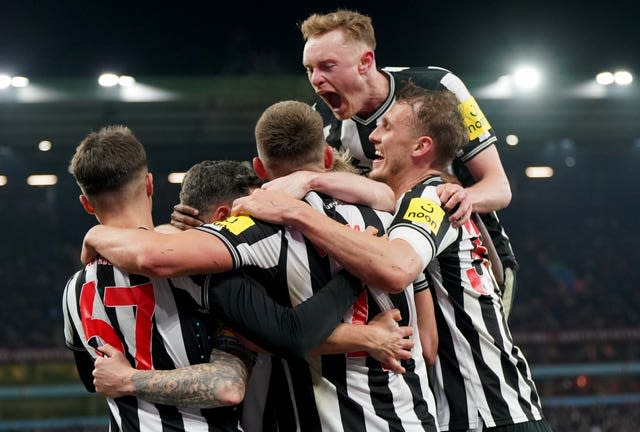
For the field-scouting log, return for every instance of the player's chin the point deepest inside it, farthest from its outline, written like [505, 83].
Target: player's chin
[377, 172]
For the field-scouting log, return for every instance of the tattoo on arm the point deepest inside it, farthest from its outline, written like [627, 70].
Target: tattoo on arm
[221, 382]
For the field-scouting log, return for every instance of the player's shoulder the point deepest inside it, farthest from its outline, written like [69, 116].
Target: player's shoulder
[430, 77]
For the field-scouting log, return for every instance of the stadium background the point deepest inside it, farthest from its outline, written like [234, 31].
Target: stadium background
[576, 310]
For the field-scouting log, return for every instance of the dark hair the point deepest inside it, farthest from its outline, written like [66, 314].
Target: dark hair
[210, 182]
[107, 160]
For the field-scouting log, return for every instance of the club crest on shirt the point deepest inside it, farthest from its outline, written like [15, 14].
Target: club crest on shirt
[475, 121]
[425, 212]
[236, 224]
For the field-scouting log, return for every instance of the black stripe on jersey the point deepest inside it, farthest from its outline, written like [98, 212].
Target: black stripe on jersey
[128, 409]
[453, 381]
[420, 406]
[489, 379]
[498, 410]
[170, 418]
[378, 381]
[334, 369]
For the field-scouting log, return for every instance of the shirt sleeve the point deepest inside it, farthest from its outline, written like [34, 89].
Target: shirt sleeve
[284, 331]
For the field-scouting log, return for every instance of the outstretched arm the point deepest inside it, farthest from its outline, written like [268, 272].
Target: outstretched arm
[221, 382]
[156, 254]
[351, 188]
[388, 265]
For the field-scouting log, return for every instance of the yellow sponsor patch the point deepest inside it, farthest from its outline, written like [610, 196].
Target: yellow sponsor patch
[236, 224]
[425, 212]
[474, 119]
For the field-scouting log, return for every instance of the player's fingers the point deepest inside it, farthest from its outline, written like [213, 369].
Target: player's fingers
[395, 366]
[405, 331]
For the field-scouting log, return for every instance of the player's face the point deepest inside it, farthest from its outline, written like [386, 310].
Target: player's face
[394, 137]
[332, 66]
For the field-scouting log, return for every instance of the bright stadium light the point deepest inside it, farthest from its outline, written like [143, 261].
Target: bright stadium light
[512, 139]
[5, 81]
[19, 81]
[526, 78]
[44, 145]
[176, 177]
[539, 172]
[3, 180]
[605, 78]
[623, 77]
[126, 81]
[42, 180]
[108, 80]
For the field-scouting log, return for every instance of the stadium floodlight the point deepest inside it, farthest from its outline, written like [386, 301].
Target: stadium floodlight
[526, 78]
[44, 145]
[512, 139]
[19, 81]
[3, 180]
[126, 81]
[42, 180]
[5, 81]
[539, 172]
[108, 80]
[176, 177]
[605, 78]
[623, 77]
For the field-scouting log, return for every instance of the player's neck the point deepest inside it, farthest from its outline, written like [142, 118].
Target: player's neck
[378, 94]
[127, 218]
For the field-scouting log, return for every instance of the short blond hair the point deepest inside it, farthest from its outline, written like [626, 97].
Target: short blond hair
[355, 26]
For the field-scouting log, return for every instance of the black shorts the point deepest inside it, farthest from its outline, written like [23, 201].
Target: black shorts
[530, 426]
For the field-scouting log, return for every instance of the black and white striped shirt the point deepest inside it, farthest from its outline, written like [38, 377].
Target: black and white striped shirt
[479, 375]
[353, 134]
[157, 324]
[333, 392]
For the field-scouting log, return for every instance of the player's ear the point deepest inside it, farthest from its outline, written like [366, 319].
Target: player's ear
[221, 213]
[328, 158]
[367, 61]
[259, 168]
[423, 145]
[86, 204]
[149, 184]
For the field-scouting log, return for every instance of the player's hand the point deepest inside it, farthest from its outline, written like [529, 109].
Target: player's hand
[391, 343]
[89, 253]
[456, 201]
[296, 184]
[184, 217]
[268, 205]
[112, 373]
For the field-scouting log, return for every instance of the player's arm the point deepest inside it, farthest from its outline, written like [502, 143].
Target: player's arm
[427, 328]
[285, 331]
[221, 382]
[348, 187]
[382, 338]
[491, 192]
[377, 261]
[296, 331]
[156, 254]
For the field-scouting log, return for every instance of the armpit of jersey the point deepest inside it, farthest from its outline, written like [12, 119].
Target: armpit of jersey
[426, 212]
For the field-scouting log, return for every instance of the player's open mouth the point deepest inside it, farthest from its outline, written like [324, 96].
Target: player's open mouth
[379, 158]
[333, 99]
